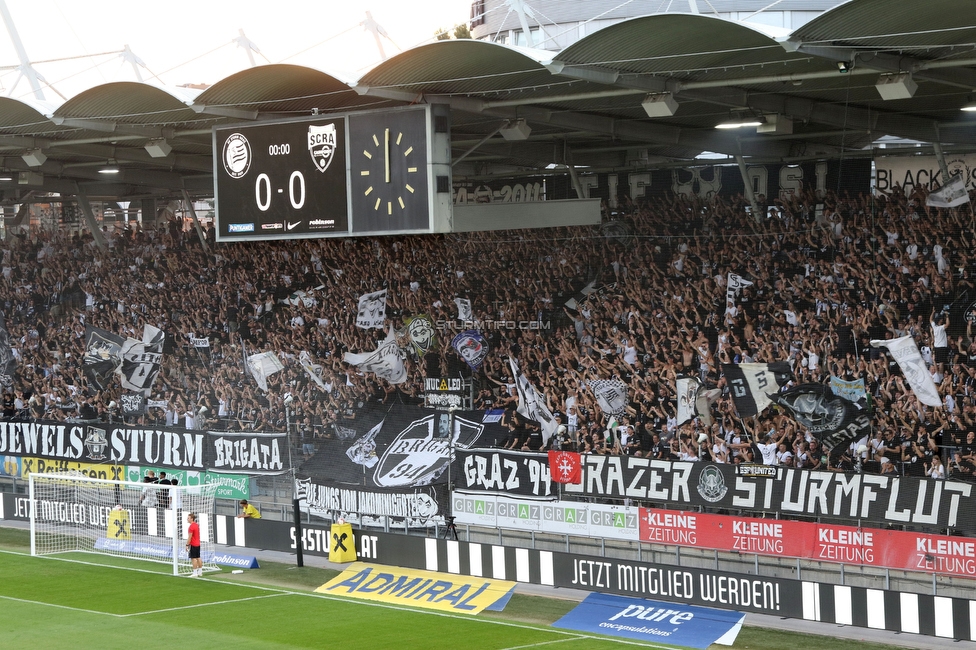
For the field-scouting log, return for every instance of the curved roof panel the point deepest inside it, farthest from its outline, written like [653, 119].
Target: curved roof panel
[687, 46]
[282, 88]
[462, 66]
[901, 26]
[129, 102]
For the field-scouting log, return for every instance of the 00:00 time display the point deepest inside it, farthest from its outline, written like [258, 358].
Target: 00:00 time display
[263, 191]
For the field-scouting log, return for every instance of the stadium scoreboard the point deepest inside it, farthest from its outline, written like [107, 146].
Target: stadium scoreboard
[340, 175]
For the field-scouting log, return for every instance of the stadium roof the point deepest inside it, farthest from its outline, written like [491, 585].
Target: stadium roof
[584, 104]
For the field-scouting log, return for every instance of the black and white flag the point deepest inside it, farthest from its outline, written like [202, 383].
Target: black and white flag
[753, 385]
[312, 369]
[906, 353]
[386, 361]
[834, 420]
[464, 308]
[133, 403]
[8, 364]
[103, 356]
[950, 195]
[532, 403]
[262, 366]
[372, 310]
[695, 401]
[733, 288]
[142, 360]
[611, 395]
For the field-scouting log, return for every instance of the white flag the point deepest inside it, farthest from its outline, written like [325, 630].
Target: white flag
[687, 394]
[949, 195]
[262, 366]
[313, 370]
[372, 310]
[532, 404]
[464, 308]
[385, 362]
[611, 395]
[905, 352]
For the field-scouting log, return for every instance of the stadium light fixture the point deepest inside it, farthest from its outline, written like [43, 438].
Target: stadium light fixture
[516, 130]
[896, 86]
[108, 170]
[970, 107]
[34, 158]
[843, 66]
[739, 120]
[660, 105]
[158, 148]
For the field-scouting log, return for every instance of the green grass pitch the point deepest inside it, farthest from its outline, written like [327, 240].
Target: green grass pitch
[91, 601]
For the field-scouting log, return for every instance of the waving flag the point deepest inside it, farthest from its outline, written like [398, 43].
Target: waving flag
[835, 420]
[611, 395]
[262, 366]
[385, 362]
[532, 404]
[372, 310]
[565, 467]
[753, 384]
[472, 347]
[905, 352]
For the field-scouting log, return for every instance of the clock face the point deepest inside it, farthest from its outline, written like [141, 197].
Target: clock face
[388, 170]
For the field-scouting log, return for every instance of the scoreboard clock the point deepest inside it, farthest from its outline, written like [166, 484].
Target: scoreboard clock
[366, 173]
[389, 174]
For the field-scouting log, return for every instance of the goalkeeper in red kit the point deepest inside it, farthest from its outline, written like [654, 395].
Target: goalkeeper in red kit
[193, 545]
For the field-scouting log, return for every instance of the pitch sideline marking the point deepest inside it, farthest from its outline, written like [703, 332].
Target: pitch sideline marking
[182, 607]
[74, 609]
[541, 643]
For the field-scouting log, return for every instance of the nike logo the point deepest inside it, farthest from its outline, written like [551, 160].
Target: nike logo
[291, 226]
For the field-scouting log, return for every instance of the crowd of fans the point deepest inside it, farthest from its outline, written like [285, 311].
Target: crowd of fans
[829, 274]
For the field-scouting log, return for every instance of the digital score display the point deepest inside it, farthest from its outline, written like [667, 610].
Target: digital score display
[328, 176]
[281, 180]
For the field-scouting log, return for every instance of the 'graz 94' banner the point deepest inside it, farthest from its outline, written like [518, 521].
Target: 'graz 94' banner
[396, 447]
[234, 453]
[897, 500]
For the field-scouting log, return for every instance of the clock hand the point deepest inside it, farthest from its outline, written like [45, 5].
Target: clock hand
[386, 153]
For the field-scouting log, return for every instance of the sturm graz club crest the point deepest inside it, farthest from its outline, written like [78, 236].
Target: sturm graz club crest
[236, 155]
[421, 452]
[322, 145]
[96, 442]
[711, 484]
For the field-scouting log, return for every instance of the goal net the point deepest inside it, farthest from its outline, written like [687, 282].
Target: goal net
[145, 521]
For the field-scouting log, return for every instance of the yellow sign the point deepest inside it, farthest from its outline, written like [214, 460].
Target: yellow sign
[342, 545]
[118, 525]
[30, 464]
[415, 588]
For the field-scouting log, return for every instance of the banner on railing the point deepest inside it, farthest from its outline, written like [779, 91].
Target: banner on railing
[167, 447]
[892, 549]
[884, 500]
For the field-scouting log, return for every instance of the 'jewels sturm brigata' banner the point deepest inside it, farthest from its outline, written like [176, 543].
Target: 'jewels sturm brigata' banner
[166, 447]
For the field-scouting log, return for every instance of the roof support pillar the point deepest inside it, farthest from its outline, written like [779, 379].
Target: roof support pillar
[196, 222]
[750, 195]
[86, 210]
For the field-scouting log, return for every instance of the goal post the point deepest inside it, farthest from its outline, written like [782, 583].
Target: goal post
[71, 512]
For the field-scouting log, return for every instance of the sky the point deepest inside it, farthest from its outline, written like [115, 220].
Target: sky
[191, 42]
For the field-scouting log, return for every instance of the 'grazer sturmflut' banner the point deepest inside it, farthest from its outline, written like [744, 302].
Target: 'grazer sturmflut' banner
[885, 500]
[169, 447]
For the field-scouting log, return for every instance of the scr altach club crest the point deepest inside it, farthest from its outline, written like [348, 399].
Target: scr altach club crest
[322, 145]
